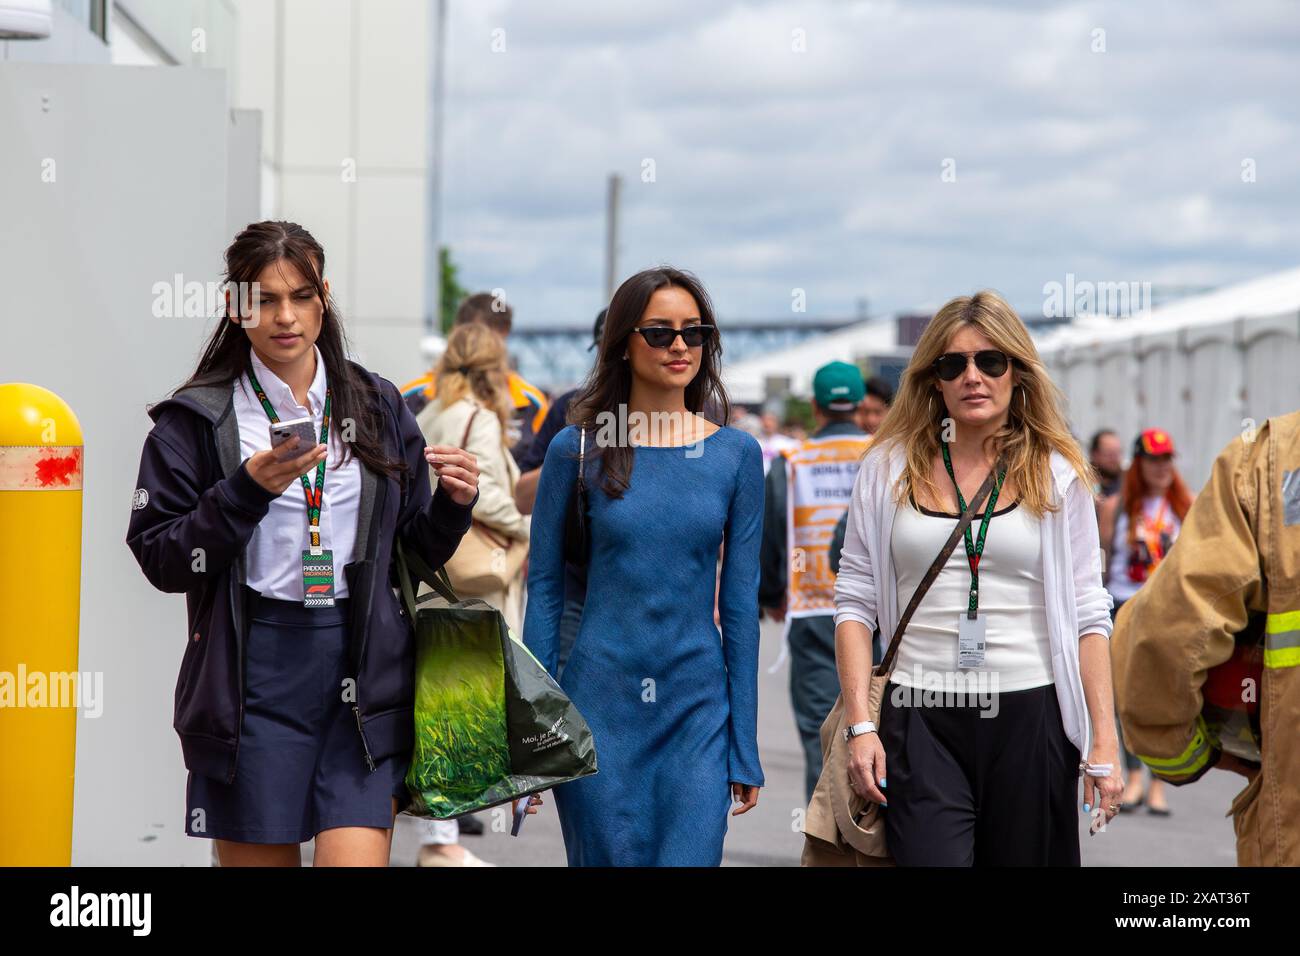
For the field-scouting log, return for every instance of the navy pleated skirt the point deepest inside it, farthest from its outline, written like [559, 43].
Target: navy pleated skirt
[301, 766]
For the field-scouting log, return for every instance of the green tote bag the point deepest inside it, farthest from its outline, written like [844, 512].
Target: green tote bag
[491, 725]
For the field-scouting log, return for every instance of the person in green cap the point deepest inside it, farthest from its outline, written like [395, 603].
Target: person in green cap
[807, 491]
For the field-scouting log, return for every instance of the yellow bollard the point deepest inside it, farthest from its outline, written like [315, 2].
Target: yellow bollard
[40, 601]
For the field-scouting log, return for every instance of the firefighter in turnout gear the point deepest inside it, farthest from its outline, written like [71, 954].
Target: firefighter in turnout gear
[1227, 596]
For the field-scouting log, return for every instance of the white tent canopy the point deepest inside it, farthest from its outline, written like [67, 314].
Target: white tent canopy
[746, 381]
[1205, 368]
[1263, 297]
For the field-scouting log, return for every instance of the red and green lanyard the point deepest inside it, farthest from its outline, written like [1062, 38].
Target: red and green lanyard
[974, 549]
[316, 495]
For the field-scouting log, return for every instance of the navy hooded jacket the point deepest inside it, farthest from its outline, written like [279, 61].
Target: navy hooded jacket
[193, 513]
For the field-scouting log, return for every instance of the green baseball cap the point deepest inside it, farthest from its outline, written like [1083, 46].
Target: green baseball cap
[838, 387]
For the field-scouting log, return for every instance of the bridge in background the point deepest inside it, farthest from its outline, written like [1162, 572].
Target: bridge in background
[555, 358]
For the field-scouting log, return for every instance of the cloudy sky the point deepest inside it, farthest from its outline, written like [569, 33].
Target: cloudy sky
[1106, 140]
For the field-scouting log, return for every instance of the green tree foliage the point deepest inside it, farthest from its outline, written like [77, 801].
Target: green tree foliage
[452, 293]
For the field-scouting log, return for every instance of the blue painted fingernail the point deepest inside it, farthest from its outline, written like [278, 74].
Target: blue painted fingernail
[882, 781]
[1087, 807]
[884, 804]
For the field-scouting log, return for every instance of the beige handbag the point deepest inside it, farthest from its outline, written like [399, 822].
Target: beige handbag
[842, 828]
[486, 560]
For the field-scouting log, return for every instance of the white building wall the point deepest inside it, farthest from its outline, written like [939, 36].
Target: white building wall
[173, 166]
[127, 208]
[342, 88]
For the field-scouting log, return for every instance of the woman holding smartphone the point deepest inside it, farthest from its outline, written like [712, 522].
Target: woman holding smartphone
[1014, 630]
[673, 709]
[295, 694]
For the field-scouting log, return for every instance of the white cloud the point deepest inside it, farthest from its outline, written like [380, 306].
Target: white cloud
[821, 169]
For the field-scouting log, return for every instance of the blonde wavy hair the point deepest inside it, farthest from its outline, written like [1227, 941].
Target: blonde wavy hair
[474, 365]
[1036, 423]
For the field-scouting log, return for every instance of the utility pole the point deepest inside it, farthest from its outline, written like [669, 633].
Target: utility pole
[611, 235]
[433, 187]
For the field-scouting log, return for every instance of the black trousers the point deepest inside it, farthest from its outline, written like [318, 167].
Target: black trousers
[972, 790]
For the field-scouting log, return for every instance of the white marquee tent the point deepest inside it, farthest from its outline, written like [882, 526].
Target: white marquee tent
[1205, 368]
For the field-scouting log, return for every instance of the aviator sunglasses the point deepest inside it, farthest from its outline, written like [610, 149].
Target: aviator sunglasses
[661, 336]
[989, 361]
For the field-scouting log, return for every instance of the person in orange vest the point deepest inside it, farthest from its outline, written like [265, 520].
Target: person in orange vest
[871, 412]
[1226, 597]
[807, 491]
[529, 401]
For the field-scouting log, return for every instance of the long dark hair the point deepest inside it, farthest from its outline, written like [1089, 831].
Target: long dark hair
[227, 354]
[609, 384]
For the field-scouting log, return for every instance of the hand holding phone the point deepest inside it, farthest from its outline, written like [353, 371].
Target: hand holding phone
[274, 475]
[523, 807]
[304, 429]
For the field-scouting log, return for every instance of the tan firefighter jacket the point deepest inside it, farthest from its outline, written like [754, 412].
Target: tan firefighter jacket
[1236, 558]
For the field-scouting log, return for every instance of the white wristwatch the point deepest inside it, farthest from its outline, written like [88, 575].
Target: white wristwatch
[857, 730]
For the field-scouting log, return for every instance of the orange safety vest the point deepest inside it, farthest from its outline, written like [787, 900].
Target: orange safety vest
[819, 484]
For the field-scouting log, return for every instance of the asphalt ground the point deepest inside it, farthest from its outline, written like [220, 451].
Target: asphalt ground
[1197, 833]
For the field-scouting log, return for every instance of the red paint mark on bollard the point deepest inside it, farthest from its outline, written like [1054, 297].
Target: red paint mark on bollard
[40, 467]
[59, 470]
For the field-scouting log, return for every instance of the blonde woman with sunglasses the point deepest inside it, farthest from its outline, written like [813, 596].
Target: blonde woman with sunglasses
[999, 700]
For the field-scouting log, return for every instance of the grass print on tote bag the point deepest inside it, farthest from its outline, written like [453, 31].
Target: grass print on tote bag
[490, 722]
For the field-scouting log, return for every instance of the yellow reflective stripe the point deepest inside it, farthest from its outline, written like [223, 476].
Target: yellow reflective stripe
[1192, 759]
[1282, 621]
[1282, 657]
[1282, 639]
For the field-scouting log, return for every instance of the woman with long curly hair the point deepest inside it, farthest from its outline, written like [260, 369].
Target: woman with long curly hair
[1001, 682]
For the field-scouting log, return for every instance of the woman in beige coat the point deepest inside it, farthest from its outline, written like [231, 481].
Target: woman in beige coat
[472, 384]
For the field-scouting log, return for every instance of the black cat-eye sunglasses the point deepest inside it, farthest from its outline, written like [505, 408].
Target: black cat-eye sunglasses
[661, 336]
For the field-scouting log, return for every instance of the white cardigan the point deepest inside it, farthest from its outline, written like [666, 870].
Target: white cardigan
[1077, 604]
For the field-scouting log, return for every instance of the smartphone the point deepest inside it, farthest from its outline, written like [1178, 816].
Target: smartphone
[520, 815]
[281, 432]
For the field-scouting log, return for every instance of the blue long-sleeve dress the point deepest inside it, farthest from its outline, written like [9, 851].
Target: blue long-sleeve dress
[672, 705]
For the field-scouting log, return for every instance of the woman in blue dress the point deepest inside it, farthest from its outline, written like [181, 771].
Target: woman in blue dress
[672, 703]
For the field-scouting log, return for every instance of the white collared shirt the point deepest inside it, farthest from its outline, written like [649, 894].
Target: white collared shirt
[274, 554]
